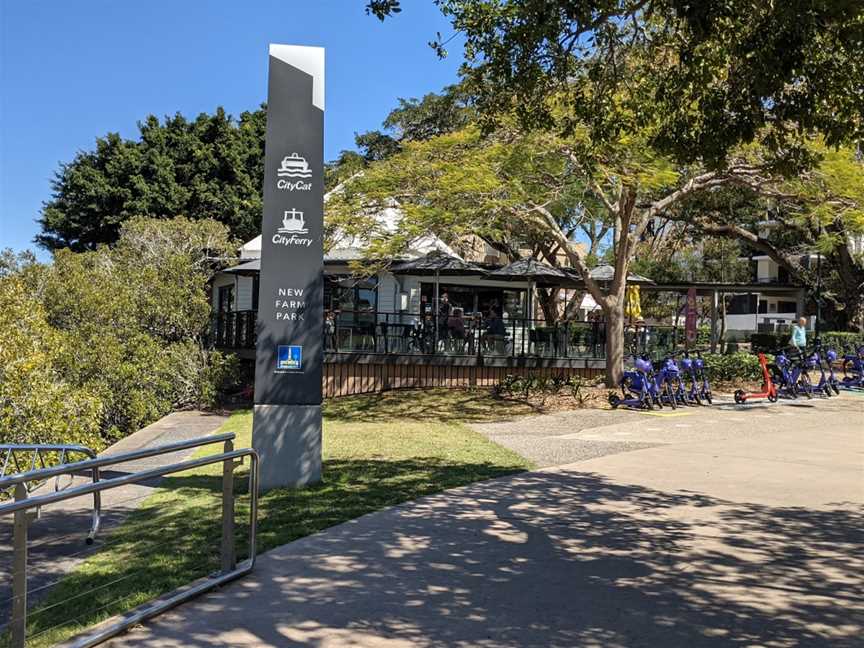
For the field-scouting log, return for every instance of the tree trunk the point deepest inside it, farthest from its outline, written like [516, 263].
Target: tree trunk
[548, 300]
[571, 312]
[614, 343]
[851, 278]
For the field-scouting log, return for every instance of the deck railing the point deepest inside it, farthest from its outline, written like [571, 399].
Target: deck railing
[410, 333]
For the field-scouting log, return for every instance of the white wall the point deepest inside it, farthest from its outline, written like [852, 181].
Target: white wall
[388, 287]
[220, 280]
[243, 287]
[243, 293]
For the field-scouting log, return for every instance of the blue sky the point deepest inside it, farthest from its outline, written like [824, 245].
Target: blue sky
[73, 71]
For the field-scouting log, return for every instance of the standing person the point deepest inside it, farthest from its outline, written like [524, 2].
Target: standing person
[329, 330]
[443, 314]
[799, 334]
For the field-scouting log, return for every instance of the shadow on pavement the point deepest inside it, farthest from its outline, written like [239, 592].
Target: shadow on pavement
[550, 559]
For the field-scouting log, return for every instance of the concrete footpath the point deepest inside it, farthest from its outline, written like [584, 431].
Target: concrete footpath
[57, 538]
[741, 530]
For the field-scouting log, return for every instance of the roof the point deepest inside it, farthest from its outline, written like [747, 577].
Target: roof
[530, 270]
[708, 287]
[437, 263]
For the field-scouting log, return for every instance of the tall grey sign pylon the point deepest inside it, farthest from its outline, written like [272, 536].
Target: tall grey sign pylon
[286, 429]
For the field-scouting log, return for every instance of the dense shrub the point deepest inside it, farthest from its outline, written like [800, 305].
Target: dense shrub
[105, 342]
[732, 367]
[767, 342]
[770, 341]
[841, 339]
[37, 403]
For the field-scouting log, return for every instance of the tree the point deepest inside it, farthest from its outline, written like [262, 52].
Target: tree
[108, 340]
[520, 190]
[209, 168]
[819, 211]
[414, 120]
[723, 93]
[37, 403]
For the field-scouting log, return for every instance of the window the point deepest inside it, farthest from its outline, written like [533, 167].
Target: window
[477, 299]
[742, 305]
[347, 293]
[226, 299]
[256, 286]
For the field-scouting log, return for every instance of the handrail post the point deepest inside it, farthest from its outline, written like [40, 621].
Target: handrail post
[19, 571]
[229, 556]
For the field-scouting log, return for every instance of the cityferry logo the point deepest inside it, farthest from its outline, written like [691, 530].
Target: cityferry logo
[293, 225]
[294, 166]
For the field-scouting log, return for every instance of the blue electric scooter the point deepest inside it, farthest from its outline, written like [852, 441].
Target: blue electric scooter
[636, 387]
[853, 368]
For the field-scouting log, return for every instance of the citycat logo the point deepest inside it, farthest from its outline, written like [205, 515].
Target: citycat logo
[293, 166]
[293, 224]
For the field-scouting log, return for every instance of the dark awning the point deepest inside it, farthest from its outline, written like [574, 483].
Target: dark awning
[437, 263]
[606, 274]
[247, 268]
[531, 270]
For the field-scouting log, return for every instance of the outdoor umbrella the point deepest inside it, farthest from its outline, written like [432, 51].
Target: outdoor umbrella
[606, 274]
[532, 271]
[436, 264]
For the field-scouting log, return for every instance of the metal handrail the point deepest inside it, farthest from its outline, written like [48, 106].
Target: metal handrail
[32, 484]
[110, 460]
[230, 570]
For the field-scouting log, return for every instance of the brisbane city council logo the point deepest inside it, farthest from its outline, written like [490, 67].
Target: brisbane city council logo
[293, 174]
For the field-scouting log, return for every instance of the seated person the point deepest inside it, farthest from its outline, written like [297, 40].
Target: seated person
[495, 337]
[495, 325]
[456, 324]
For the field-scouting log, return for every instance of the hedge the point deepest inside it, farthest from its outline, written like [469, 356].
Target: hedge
[732, 367]
[767, 342]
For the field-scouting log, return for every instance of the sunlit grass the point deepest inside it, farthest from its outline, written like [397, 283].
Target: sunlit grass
[379, 450]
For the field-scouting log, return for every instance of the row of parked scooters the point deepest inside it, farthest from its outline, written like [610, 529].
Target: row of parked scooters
[793, 373]
[680, 380]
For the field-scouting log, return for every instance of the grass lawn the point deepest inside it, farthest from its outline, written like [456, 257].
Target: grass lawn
[379, 450]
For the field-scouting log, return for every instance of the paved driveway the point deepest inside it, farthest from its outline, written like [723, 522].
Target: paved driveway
[742, 529]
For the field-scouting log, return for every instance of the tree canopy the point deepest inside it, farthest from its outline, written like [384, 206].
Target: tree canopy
[211, 167]
[700, 78]
[97, 344]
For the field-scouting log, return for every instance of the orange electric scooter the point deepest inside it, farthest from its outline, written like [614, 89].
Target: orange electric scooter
[769, 391]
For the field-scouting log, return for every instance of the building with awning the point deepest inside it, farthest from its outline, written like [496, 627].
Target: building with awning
[473, 317]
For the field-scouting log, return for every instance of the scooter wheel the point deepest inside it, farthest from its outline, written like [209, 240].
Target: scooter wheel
[835, 388]
[773, 397]
[672, 400]
[614, 401]
[697, 400]
[707, 397]
[739, 396]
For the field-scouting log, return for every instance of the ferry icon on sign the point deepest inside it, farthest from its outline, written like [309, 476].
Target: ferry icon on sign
[293, 223]
[294, 166]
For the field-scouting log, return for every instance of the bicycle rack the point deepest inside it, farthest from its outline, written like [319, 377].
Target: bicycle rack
[38, 452]
[230, 570]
